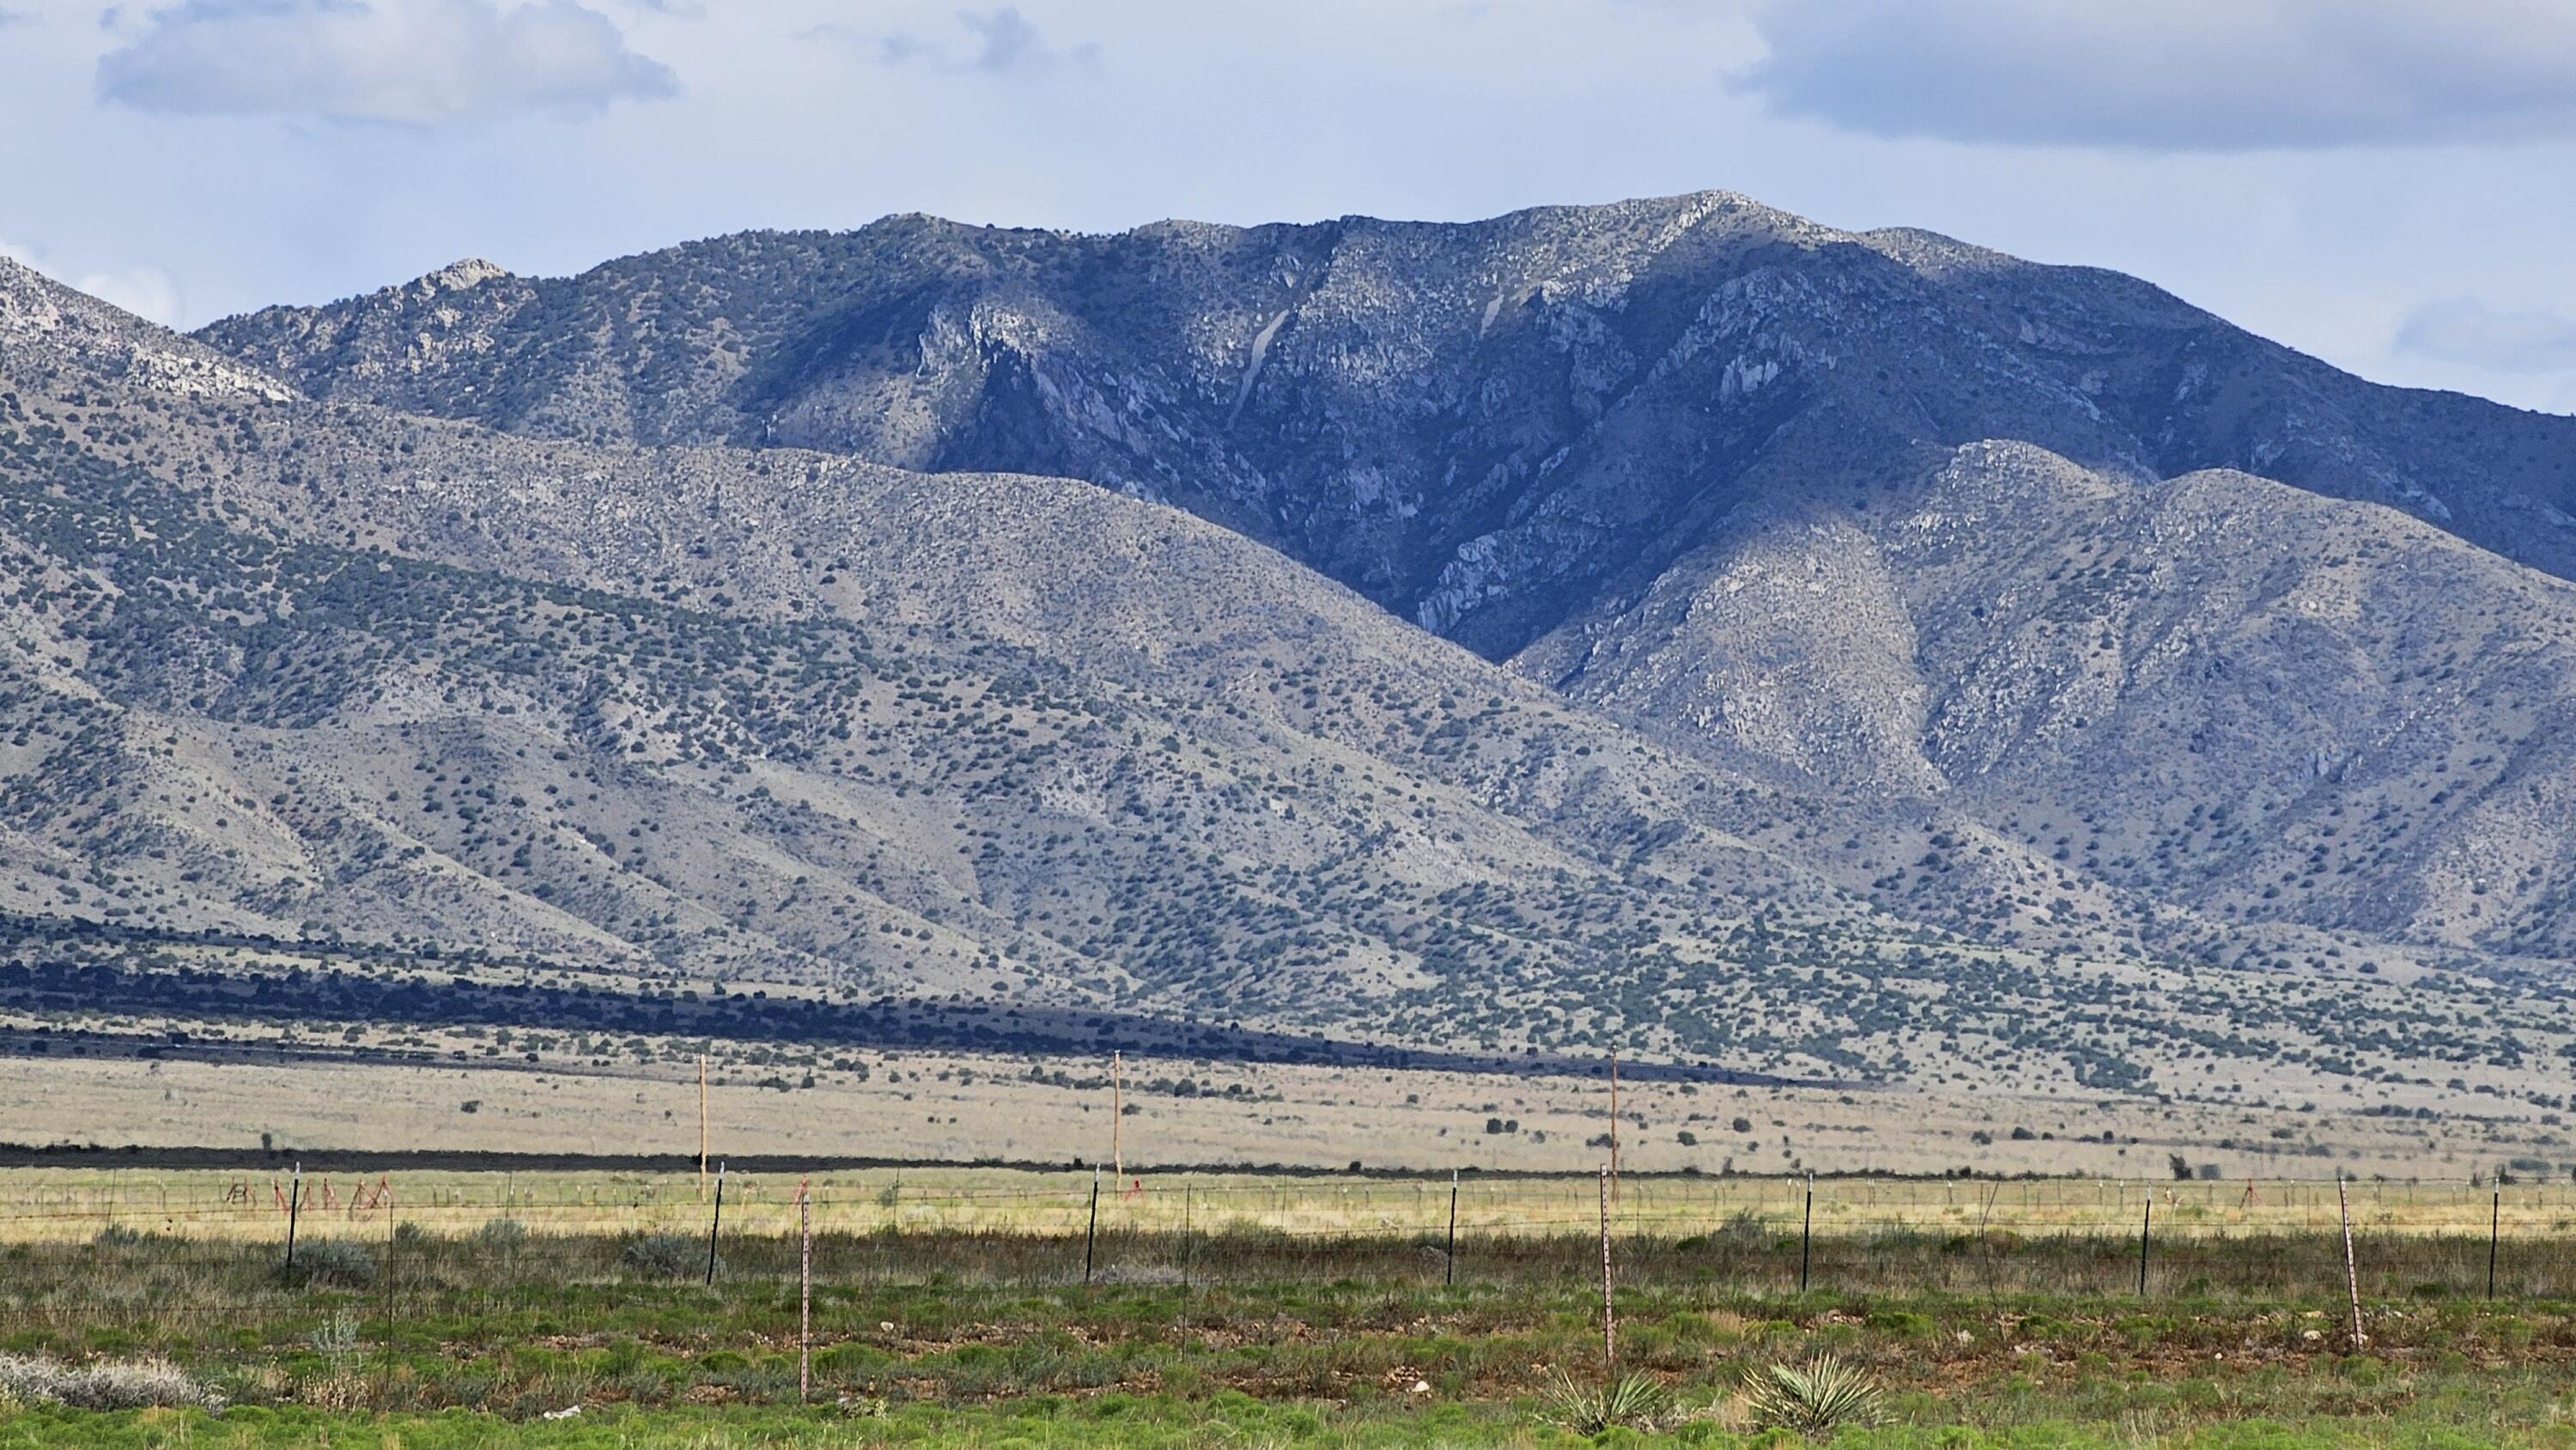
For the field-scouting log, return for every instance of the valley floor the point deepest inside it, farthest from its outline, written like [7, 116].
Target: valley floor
[540, 1094]
[424, 1338]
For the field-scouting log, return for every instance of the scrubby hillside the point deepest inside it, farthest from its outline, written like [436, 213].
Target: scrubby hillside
[1721, 474]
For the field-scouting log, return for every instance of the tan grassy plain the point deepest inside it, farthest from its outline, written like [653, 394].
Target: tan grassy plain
[72, 1205]
[960, 1108]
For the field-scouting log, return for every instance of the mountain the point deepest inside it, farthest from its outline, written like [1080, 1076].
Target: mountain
[334, 678]
[1483, 427]
[2038, 555]
[335, 707]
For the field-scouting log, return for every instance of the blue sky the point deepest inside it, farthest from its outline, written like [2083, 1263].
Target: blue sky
[2385, 183]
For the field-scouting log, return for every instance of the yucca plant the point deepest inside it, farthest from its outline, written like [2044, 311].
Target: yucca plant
[1589, 1409]
[1815, 1398]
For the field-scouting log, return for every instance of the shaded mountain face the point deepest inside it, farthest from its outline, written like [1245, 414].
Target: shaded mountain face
[1870, 784]
[2218, 691]
[2040, 558]
[325, 673]
[1485, 428]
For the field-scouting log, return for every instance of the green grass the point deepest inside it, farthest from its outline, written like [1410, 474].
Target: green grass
[992, 1340]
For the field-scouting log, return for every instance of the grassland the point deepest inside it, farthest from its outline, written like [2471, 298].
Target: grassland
[953, 1308]
[55, 1206]
[542, 1092]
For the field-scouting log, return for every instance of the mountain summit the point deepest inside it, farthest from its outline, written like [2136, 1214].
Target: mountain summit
[1923, 525]
[1488, 427]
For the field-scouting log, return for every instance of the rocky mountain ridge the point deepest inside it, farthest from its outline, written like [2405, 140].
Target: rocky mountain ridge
[1685, 460]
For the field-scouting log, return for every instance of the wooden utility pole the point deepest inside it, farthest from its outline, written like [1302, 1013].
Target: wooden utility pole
[1614, 1122]
[702, 1127]
[1117, 1118]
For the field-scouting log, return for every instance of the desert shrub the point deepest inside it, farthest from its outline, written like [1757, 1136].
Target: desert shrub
[1586, 1409]
[336, 1262]
[107, 1385]
[1815, 1398]
[340, 1386]
[501, 1232]
[1744, 1229]
[664, 1255]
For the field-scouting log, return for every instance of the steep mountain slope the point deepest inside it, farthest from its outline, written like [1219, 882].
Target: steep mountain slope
[2217, 690]
[1479, 426]
[407, 695]
[329, 673]
[1722, 474]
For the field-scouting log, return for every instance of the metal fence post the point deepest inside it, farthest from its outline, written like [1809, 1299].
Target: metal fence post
[2495, 1226]
[1091, 1234]
[294, 1209]
[1452, 1262]
[1807, 1236]
[715, 1225]
[2146, 1225]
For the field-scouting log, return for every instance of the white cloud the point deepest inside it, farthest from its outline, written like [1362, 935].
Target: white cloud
[147, 292]
[414, 62]
[1004, 42]
[2177, 75]
[2463, 331]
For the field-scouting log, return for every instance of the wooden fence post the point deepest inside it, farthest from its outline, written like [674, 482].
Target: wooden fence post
[805, 1289]
[2351, 1276]
[1614, 1122]
[1609, 1310]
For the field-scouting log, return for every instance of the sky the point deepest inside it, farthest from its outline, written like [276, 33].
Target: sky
[2387, 184]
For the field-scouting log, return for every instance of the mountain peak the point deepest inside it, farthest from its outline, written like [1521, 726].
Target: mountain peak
[463, 273]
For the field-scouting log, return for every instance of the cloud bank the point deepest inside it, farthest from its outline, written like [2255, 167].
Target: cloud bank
[2462, 331]
[407, 62]
[2172, 75]
[148, 292]
[1004, 43]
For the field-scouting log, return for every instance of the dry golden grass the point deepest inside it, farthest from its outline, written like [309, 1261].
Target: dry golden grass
[964, 1108]
[61, 1204]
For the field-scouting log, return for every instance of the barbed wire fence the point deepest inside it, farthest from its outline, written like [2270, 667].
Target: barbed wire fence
[324, 1266]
